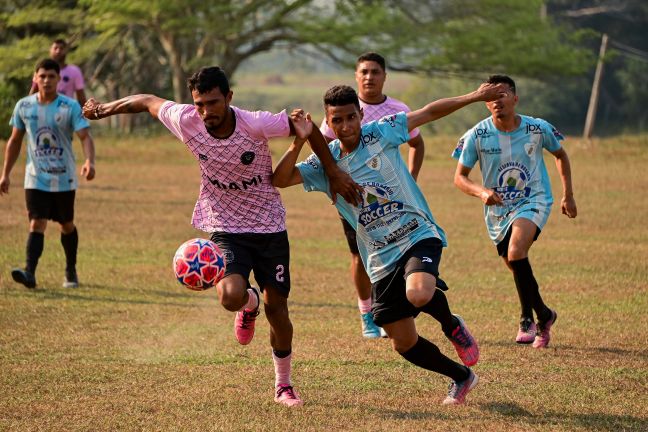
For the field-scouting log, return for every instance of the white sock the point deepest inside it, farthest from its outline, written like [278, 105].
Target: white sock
[282, 367]
[253, 301]
[364, 305]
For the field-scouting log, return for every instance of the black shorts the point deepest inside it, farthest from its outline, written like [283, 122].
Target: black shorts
[390, 302]
[268, 255]
[56, 206]
[502, 247]
[350, 234]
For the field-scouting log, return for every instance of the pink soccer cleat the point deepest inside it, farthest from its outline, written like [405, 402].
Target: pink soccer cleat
[464, 343]
[526, 332]
[244, 323]
[458, 390]
[286, 395]
[544, 332]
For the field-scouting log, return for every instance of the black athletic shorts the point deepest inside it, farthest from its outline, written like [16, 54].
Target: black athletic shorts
[390, 302]
[56, 206]
[502, 247]
[268, 255]
[350, 234]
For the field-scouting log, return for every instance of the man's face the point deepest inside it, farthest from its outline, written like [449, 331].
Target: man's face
[47, 79]
[212, 107]
[58, 52]
[505, 105]
[345, 121]
[370, 78]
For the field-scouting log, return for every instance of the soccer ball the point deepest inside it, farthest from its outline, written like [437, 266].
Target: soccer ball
[199, 264]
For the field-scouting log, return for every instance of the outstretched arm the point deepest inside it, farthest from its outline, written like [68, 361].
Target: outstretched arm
[286, 173]
[442, 107]
[93, 110]
[567, 203]
[469, 187]
[12, 151]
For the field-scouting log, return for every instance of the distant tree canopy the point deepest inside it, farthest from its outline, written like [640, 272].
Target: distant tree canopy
[131, 46]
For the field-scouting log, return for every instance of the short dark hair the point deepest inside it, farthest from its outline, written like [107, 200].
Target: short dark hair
[341, 95]
[60, 42]
[371, 56]
[207, 79]
[503, 79]
[48, 64]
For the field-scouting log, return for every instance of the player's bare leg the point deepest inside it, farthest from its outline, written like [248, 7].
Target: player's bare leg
[281, 334]
[235, 296]
[363, 289]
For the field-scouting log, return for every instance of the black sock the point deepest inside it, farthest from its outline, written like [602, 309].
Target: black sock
[528, 289]
[35, 243]
[282, 354]
[426, 355]
[440, 310]
[70, 244]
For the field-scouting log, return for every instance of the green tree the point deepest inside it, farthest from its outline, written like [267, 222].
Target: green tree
[153, 45]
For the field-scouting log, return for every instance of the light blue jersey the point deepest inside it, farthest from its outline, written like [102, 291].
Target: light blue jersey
[50, 161]
[394, 214]
[512, 164]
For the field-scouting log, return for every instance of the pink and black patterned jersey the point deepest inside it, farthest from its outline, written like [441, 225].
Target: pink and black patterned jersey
[236, 193]
[374, 112]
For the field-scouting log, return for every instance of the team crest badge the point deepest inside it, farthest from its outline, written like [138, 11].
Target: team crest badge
[247, 158]
[374, 163]
[529, 148]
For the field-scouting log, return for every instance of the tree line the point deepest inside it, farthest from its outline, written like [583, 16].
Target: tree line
[151, 46]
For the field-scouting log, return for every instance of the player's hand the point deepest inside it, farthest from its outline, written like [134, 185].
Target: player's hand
[568, 207]
[490, 92]
[342, 183]
[4, 185]
[490, 197]
[91, 109]
[88, 170]
[302, 123]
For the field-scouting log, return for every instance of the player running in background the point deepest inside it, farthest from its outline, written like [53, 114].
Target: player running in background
[237, 202]
[71, 83]
[398, 238]
[516, 194]
[50, 120]
[370, 76]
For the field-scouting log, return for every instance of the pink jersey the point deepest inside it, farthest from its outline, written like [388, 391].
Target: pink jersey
[71, 81]
[373, 112]
[236, 193]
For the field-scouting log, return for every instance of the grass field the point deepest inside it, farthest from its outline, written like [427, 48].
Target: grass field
[132, 350]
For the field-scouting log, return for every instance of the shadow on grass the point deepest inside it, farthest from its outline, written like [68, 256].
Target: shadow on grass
[581, 351]
[82, 294]
[415, 415]
[573, 350]
[323, 305]
[593, 421]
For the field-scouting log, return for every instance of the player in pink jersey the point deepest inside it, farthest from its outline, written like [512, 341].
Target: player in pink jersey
[370, 76]
[71, 83]
[237, 202]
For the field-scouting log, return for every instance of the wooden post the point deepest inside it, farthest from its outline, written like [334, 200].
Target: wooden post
[593, 102]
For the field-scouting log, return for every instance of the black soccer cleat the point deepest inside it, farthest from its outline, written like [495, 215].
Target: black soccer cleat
[24, 277]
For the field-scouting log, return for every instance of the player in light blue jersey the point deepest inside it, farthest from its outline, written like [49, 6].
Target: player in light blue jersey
[399, 241]
[516, 194]
[49, 120]
[370, 76]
